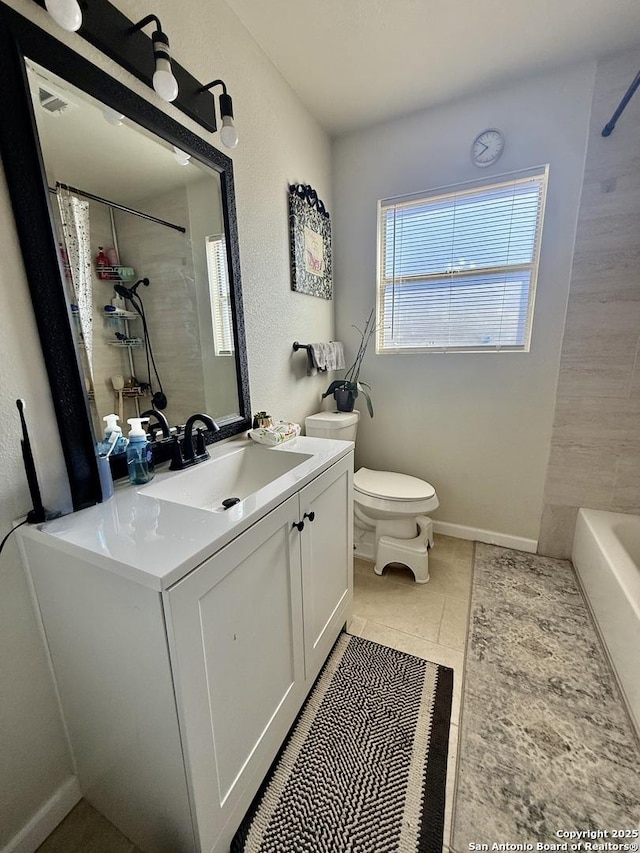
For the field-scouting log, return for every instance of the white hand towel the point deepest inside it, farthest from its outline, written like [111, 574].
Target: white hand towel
[325, 356]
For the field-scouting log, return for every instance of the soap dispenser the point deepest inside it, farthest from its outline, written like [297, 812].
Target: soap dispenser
[113, 441]
[139, 454]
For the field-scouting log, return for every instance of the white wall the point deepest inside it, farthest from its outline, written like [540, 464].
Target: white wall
[477, 426]
[280, 143]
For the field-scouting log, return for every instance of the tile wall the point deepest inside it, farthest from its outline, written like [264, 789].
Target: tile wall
[595, 448]
[164, 256]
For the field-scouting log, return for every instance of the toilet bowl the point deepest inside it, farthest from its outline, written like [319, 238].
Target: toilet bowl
[390, 509]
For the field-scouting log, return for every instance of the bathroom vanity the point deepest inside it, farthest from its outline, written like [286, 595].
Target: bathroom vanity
[185, 637]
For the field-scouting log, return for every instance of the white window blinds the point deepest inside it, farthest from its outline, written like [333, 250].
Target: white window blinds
[457, 268]
[220, 297]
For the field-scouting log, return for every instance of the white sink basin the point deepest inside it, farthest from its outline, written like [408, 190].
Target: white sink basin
[238, 474]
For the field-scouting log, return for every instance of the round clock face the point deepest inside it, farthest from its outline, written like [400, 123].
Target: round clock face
[487, 147]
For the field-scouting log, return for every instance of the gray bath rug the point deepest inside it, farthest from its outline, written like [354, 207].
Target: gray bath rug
[546, 745]
[364, 767]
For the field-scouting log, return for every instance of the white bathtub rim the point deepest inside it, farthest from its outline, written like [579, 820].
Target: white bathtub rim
[621, 564]
[595, 551]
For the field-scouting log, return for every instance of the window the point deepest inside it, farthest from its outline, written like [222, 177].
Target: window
[457, 267]
[220, 297]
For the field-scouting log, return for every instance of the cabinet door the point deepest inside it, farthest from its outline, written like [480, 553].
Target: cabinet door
[235, 633]
[327, 560]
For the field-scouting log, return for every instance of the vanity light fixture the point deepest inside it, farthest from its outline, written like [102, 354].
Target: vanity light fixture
[181, 157]
[164, 83]
[228, 132]
[66, 13]
[149, 59]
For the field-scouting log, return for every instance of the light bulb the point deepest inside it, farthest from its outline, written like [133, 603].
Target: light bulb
[112, 116]
[164, 82]
[228, 133]
[181, 157]
[66, 13]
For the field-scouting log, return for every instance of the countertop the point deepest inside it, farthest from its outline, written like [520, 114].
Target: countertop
[157, 542]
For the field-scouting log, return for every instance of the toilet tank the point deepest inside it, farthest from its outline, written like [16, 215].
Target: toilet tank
[340, 425]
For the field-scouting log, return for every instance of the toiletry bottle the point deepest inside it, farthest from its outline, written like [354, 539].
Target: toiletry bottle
[112, 258]
[113, 439]
[119, 303]
[102, 262]
[139, 454]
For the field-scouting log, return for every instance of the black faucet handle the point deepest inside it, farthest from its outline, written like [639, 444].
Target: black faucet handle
[189, 453]
[177, 462]
[201, 447]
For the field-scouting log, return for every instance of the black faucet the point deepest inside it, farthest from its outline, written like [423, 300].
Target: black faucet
[162, 421]
[200, 453]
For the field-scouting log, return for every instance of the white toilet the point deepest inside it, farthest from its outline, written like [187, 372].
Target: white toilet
[391, 523]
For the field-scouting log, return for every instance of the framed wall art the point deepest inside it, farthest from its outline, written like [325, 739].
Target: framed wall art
[310, 230]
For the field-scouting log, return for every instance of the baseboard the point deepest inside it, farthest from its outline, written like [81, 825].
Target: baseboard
[45, 820]
[491, 537]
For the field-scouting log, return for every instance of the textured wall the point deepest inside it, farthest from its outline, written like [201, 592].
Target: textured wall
[33, 751]
[280, 143]
[476, 426]
[595, 451]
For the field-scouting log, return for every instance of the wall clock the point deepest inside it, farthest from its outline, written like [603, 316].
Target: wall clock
[487, 147]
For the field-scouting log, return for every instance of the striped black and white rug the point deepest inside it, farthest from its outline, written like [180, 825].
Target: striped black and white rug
[364, 767]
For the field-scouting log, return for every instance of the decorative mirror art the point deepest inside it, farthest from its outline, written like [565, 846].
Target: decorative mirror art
[127, 226]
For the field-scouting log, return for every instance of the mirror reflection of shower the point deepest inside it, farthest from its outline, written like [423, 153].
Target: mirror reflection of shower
[124, 355]
[125, 209]
[130, 294]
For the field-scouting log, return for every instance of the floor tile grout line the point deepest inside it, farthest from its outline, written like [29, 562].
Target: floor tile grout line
[415, 636]
[409, 584]
[444, 607]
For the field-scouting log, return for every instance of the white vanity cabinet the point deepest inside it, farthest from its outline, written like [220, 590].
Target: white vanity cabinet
[178, 700]
[249, 631]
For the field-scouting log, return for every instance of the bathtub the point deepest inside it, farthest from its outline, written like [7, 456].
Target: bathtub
[606, 555]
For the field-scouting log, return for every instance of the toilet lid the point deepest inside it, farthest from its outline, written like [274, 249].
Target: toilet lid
[391, 486]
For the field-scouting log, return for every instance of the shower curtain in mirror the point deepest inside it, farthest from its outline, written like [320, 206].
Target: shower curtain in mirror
[74, 213]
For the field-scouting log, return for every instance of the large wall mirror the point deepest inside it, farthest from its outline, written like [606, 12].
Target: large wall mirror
[127, 227]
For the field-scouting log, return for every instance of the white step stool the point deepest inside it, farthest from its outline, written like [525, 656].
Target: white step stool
[413, 553]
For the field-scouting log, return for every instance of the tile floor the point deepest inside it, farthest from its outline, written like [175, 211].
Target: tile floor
[84, 830]
[428, 620]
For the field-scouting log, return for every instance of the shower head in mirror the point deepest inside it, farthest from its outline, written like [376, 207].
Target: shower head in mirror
[130, 292]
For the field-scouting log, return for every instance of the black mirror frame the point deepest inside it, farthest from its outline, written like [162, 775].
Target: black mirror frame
[27, 185]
